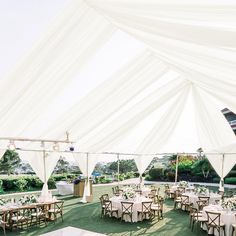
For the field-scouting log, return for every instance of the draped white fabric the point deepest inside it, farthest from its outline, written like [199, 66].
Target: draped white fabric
[2, 151]
[196, 39]
[110, 96]
[214, 133]
[43, 165]
[86, 163]
[52, 63]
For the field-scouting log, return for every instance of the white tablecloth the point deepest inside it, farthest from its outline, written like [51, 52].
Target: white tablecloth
[175, 187]
[227, 217]
[193, 198]
[116, 202]
[64, 188]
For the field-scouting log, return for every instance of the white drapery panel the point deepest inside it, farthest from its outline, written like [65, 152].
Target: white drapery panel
[2, 151]
[214, 132]
[162, 131]
[53, 62]
[126, 121]
[42, 164]
[183, 35]
[109, 97]
[86, 163]
[207, 22]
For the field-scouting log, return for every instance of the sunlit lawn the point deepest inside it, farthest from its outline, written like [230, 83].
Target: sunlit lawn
[87, 216]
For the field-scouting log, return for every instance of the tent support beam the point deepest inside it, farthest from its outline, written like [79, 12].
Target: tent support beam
[176, 169]
[118, 168]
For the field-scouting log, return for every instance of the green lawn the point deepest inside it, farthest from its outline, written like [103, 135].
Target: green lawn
[87, 216]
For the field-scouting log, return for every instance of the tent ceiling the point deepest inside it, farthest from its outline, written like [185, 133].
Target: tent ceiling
[198, 55]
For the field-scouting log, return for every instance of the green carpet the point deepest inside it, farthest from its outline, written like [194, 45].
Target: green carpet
[87, 216]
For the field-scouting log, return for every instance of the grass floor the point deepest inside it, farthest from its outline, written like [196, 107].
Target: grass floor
[87, 216]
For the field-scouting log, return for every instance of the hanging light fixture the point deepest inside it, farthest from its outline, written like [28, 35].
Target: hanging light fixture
[11, 146]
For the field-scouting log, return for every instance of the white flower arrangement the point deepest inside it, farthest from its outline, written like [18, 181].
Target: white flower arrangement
[128, 193]
[202, 190]
[229, 204]
[183, 184]
[27, 199]
[2, 202]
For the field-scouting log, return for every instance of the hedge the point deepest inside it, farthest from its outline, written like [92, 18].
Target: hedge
[30, 182]
[230, 180]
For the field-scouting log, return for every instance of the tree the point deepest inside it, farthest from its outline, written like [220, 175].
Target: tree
[202, 166]
[62, 166]
[9, 162]
[125, 166]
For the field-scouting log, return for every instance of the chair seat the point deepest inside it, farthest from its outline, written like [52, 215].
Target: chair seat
[37, 214]
[19, 218]
[196, 214]
[201, 219]
[155, 208]
[54, 210]
[113, 209]
[213, 225]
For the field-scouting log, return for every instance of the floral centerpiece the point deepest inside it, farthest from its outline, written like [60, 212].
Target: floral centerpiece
[128, 193]
[27, 199]
[202, 190]
[229, 204]
[2, 202]
[183, 184]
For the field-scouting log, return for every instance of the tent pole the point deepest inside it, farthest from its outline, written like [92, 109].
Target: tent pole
[176, 168]
[118, 168]
[44, 166]
[222, 173]
[88, 190]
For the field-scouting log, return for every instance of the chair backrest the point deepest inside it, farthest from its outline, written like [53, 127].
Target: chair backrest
[154, 192]
[201, 204]
[127, 207]
[181, 189]
[204, 199]
[146, 206]
[58, 205]
[184, 199]
[108, 205]
[177, 194]
[213, 218]
[105, 197]
[138, 191]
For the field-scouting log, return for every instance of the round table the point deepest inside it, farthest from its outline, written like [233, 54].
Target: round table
[227, 217]
[193, 198]
[116, 202]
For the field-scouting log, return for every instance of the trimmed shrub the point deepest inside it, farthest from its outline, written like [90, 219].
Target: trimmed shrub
[148, 177]
[230, 180]
[51, 183]
[156, 173]
[216, 180]
[21, 184]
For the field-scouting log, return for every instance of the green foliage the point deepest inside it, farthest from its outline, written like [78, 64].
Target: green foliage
[9, 162]
[1, 186]
[51, 183]
[202, 166]
[21, 184]
[148, 177]
[230, 180]
[232, 173]
[156, 173]
[125, 166]
[216, 180]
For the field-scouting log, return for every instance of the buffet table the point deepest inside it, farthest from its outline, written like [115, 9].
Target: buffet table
[64, 188]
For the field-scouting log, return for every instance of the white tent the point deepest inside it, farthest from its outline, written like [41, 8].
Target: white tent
[187, 72]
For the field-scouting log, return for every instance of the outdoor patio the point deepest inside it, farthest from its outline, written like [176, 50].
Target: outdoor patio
[87, 216]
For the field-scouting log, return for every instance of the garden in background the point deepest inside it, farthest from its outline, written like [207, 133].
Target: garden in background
[18, 176]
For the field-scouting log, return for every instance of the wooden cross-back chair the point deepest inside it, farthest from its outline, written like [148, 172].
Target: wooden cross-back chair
[127, 209]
